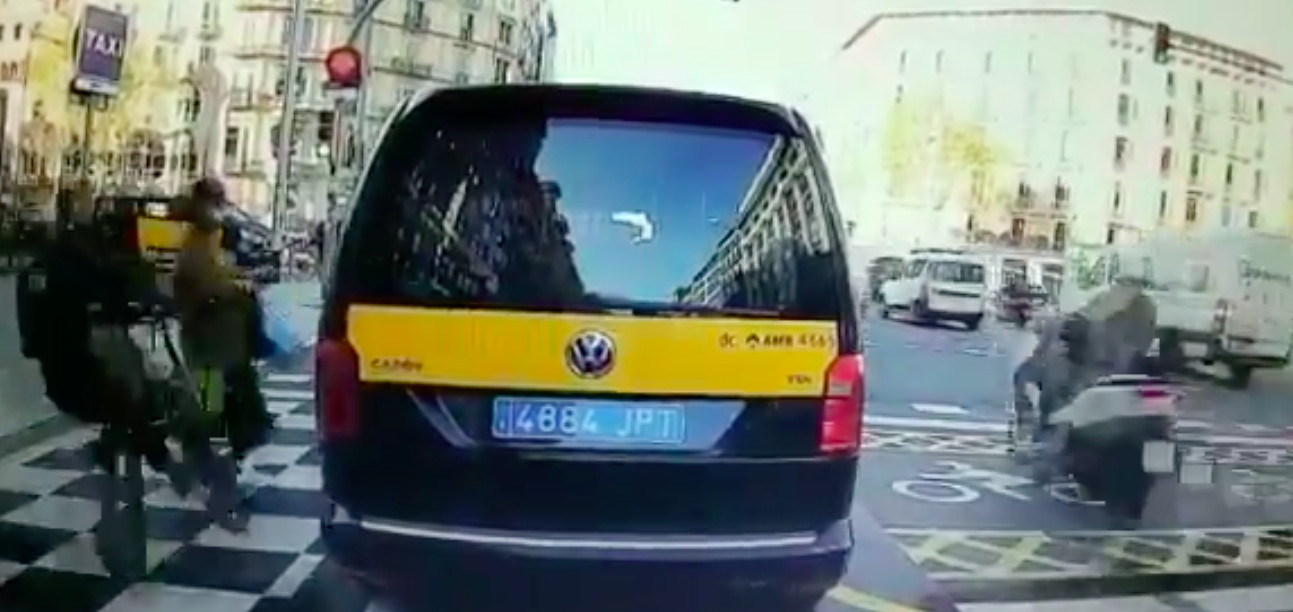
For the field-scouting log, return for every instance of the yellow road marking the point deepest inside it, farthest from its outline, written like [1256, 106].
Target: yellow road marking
[867, 602]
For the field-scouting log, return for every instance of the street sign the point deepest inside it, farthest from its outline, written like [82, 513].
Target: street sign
[345, 68]
[100, 45]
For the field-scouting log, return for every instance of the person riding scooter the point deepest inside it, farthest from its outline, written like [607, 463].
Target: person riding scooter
[1093, 420]
[1110, 334]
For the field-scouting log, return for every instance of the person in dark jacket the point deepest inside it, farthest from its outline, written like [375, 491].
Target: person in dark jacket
[72, 298]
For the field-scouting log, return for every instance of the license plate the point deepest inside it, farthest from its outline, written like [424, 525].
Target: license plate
[629, 423]
[1159, 457]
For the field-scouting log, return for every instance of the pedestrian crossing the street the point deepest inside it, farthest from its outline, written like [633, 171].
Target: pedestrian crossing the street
[49, 508]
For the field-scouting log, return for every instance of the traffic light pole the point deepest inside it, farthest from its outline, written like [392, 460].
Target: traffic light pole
[287, 120]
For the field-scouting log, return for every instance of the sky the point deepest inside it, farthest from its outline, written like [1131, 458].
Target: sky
[756, 48]
[677, 179]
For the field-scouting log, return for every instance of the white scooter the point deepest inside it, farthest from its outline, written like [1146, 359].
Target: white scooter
[1116, 439]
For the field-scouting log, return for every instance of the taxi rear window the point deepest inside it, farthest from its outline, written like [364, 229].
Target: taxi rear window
[605, 215]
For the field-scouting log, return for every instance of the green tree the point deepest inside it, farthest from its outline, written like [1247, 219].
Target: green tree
[905, 152]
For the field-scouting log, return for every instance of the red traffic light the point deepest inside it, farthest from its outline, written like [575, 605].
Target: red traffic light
[345, 67]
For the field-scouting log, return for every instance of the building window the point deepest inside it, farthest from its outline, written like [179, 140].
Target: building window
[1162, 205]
[1110, 234]
[1171, 84]
[1191, 208]
[1261, 109]
[902, 62]
[414, 12]
[1117, 197]
[1165, 161]
[1125, 76]
[505, 33]
[1169, 121]
[467, 29]
[1198, 91]
[1121, 152]
[1230, 175]
[1017, 226]
[1258, 187]
[1225, 216]
[1196, 167]
[1252, 219]
[897, 95]
[1198, 126]
[1060, 237]
[231, 142]
[1061, 194]
[501, 67]
[1124, 109]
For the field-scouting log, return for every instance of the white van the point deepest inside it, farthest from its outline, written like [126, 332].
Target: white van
[1223, 297]
[939, 285]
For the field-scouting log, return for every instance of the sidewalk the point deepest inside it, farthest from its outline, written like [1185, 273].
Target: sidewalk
[22, 392]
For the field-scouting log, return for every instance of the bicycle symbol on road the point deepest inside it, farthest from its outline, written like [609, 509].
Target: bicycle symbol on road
[953, 482]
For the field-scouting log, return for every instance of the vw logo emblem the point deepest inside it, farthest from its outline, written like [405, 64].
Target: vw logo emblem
[590, 354]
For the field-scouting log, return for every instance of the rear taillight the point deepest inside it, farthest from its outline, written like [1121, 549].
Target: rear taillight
[842, 405]
[337, 393]
[1219, 316]
[1158, 398]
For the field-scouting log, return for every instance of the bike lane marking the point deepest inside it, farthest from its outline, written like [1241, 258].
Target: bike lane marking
[861, 600]
[1014, 555]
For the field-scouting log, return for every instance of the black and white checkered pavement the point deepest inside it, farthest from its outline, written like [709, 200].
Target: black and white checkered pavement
[49, 507]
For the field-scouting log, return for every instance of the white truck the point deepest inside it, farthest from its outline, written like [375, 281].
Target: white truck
[1223, 297]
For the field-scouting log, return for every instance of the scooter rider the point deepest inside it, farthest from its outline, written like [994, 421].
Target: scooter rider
[1110, 334]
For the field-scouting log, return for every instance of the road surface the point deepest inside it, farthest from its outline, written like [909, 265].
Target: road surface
[937, 476]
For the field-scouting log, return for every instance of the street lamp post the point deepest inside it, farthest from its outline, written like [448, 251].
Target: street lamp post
[361, 33]
[287, 119]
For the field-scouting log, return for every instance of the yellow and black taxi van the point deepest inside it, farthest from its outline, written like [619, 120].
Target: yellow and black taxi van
[593, 334]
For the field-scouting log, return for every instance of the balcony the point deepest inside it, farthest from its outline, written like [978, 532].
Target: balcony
[337, 7]
[409, 67]
[211, 30]
[259, 50]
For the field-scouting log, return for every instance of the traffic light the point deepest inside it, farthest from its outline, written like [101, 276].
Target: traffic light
[326, 132]
[1162, 42]
[345, 68]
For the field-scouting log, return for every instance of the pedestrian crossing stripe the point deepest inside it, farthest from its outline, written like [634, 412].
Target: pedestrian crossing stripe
[288, 379]
[1033, 555]
[999, 446]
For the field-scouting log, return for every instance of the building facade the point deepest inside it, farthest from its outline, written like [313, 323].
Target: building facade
[417, 44]
[141, 141]
[1039, 128]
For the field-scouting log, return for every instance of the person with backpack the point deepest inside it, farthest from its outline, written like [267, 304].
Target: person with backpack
[73, 311]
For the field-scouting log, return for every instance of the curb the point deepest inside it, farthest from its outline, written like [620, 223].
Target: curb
[36, 433]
